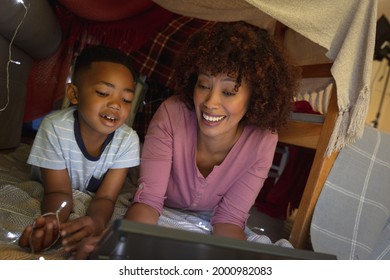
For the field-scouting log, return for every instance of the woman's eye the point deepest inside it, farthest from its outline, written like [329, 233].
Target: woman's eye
[202, 86]
[127, 101]
[229, 93]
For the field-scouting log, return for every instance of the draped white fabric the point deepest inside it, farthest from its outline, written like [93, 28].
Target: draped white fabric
[344, 31]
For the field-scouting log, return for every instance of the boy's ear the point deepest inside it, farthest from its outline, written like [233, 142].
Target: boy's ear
[71, 93]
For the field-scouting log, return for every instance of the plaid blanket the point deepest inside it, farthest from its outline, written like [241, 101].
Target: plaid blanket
[155, 58]
[352, 215]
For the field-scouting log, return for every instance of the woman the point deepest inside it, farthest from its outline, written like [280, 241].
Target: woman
[211, 145]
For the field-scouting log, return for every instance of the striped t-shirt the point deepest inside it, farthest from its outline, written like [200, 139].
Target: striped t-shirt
[58, 145]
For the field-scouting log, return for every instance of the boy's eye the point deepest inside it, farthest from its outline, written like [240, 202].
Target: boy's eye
[128, 101]
[101, 93]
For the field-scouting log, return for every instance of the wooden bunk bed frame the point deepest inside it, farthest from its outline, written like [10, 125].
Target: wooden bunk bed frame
[312, 135]
[315, 136]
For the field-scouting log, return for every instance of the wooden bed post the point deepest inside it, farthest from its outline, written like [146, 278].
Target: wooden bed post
[315, 136]
[300, 233]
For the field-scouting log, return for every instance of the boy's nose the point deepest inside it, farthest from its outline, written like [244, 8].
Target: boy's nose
[114, 105]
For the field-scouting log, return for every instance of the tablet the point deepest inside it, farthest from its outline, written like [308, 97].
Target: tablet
[126, 240]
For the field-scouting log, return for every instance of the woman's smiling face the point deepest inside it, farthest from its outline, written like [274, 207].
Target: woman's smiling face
[219, 104]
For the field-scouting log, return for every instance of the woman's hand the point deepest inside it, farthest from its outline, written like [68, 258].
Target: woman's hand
[42, 234]
[73, 232]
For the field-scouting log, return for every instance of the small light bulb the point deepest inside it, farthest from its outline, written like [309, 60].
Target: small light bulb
[63, 204]
[21, 2]
[15, 62]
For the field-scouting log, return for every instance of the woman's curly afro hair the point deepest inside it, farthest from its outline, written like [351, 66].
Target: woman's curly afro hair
[246, 52]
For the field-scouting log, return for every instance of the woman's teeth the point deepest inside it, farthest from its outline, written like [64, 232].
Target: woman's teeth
[212, 119]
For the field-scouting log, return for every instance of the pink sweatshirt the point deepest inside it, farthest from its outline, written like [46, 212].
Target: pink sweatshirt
[169, 175]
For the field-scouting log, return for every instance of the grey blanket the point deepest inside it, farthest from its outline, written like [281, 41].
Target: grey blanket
[352, 215]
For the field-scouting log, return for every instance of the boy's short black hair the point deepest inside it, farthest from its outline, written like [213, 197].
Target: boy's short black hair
[99, 53]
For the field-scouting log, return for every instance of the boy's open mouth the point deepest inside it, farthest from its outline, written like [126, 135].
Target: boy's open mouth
[109, 118]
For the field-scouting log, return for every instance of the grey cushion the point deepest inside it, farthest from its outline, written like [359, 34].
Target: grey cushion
[39, 35]
[351, 217]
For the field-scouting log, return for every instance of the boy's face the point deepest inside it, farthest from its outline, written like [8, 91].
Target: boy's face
[104, 96]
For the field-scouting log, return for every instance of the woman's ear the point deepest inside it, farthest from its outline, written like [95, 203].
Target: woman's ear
[71, 93]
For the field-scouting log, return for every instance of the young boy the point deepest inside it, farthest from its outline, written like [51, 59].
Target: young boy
[86, 147]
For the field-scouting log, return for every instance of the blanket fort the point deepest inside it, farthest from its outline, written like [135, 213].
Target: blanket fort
[345, 29]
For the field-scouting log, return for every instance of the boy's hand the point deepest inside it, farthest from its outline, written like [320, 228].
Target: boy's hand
[40, 235]
[76, 230]
[86, 247]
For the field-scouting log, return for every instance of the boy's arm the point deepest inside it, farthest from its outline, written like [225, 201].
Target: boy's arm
[44, 231]
[57, 189]
[98, 213]
[102, 206]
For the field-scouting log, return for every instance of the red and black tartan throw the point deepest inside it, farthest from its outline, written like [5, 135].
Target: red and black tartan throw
[155, 58]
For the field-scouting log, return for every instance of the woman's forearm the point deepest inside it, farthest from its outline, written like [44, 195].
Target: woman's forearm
[229, 230]
[143, 213]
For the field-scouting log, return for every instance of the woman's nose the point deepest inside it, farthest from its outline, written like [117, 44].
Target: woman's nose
[212, 99]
